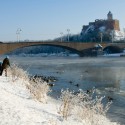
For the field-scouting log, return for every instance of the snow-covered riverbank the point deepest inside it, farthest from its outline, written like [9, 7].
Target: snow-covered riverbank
[17, 107]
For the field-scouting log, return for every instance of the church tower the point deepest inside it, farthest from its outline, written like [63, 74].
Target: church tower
[109, 16]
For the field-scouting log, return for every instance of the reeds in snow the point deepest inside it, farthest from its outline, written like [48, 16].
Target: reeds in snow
[83, 106]
[36, 86]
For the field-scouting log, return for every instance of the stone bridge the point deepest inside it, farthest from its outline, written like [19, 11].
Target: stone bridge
[77, 47]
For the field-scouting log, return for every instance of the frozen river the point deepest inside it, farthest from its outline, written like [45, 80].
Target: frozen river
[106, 74]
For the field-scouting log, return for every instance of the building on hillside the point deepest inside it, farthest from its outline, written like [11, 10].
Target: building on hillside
[109, 23]
[105, 26]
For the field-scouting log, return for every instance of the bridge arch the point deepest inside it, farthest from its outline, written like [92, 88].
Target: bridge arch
[64, 47]
[112, 49]
[59, 46]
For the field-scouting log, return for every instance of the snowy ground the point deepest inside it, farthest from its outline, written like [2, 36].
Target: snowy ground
[18, 108]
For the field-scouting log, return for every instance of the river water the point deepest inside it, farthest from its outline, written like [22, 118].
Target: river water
[105, 74]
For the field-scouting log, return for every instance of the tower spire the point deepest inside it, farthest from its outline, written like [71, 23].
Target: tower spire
[109, 16]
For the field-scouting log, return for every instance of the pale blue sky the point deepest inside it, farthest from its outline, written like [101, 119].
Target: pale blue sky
[45, 19]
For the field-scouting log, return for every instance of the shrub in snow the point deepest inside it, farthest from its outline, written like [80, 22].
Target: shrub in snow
[90, 109]
[36, 86]
[17, 73]
[38, 89]
[67, 103]
[84, 106]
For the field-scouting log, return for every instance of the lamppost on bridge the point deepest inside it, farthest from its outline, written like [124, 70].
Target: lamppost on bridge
[124, 33]
[18, 34]
[68, 30]
[61, 36]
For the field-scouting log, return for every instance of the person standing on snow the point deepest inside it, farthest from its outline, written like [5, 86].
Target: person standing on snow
[0, 68]
[5, 65]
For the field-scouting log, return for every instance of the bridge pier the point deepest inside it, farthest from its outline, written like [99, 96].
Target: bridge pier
[88, 52]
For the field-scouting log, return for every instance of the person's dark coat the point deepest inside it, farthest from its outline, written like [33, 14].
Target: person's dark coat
[5, 63]
[0, 68]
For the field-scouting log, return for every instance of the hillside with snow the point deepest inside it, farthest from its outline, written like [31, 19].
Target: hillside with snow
[93, 33]
[26, 102]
